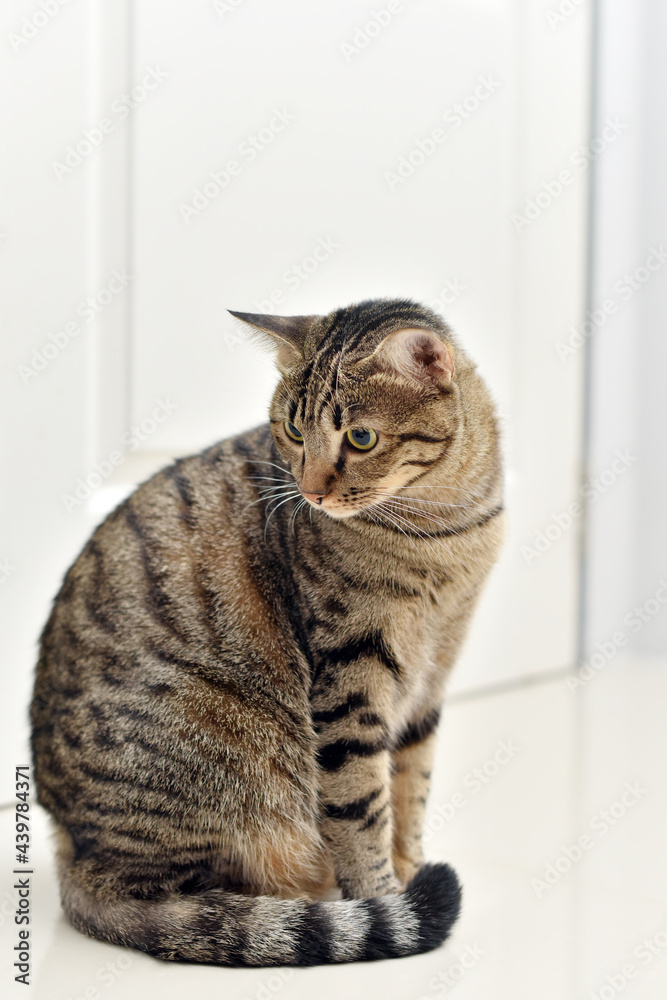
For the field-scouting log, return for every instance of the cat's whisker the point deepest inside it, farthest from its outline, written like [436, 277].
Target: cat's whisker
[390, 520]
[405, 503]
[429, 540]
[290, 523]
[275, 491]
[440, 522]
[283, 498]
[273, 479]
[285, 485]
[440, 541]
[297, 508]
[381, 519]
[455, 489]
[428, 512]
[271, 493]
[257, 461]
[423, 535]
[432, 539]
[442, 486]
[274, 509]
[422, 515]
[435, 503]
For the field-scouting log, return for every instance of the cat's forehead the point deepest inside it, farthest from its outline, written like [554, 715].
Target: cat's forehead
[336, 391]
[331, 405]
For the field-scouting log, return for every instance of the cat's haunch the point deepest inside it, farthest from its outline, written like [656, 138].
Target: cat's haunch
[241, 678]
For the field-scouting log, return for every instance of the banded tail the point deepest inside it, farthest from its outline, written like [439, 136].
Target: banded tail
[223, 928]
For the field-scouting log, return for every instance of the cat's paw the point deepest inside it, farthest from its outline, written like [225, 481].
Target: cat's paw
[434, 895]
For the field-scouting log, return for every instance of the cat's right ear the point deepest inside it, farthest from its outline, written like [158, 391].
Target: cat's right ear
[285, 334]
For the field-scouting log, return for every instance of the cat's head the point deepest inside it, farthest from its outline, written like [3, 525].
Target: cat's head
[368, 400]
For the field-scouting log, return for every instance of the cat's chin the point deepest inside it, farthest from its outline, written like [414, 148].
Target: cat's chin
[338, 513]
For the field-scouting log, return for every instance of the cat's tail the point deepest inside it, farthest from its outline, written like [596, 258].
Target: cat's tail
[220, 927]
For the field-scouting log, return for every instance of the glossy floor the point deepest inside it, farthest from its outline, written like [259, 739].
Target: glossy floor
[552, 805]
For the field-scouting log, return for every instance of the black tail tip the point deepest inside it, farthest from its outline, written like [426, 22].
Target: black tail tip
[435, 895]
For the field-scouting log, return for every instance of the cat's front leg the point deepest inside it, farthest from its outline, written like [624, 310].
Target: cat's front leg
[355, 789]
[412, 759]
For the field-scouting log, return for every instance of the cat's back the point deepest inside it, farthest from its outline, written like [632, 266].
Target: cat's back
[173, 580]
[165, 644]
[143, 564]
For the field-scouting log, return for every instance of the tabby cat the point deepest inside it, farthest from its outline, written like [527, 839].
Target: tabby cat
[240, 681]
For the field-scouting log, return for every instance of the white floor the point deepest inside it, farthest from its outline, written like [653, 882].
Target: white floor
[554, 767]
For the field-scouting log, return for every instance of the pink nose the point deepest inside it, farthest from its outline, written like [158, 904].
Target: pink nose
[315, 497]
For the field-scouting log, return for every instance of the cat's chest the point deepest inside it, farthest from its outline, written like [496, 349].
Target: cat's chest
[416, 636]
[414, 616]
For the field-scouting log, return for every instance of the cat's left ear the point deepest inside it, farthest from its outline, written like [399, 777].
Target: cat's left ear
[418, 355]
[285, 334]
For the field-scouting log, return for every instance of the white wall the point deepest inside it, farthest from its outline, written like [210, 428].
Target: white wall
[45, 275]
[651, 520]
[627, 537]
[165, 333]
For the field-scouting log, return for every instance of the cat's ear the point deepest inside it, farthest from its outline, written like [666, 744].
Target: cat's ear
[418, 355]
[285, 334]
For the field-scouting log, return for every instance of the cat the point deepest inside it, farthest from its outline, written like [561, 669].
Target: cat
[239, 684]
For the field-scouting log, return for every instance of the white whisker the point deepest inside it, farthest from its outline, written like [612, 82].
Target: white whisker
[418, 531]
[270, 493]
[275, 491]
[274, 509]
[435, 503]
[257, 461]
[297, 508]
[273, 479]
[443, 486]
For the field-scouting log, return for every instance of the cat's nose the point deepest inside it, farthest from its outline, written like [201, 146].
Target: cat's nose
[315, 497]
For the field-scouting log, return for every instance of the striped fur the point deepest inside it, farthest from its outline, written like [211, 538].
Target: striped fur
[237, 695]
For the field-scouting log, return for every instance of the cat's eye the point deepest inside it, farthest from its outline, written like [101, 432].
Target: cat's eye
[362, 438]
[293, 432]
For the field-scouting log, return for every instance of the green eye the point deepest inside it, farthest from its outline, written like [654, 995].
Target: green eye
[293, 433]
[362, 438]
